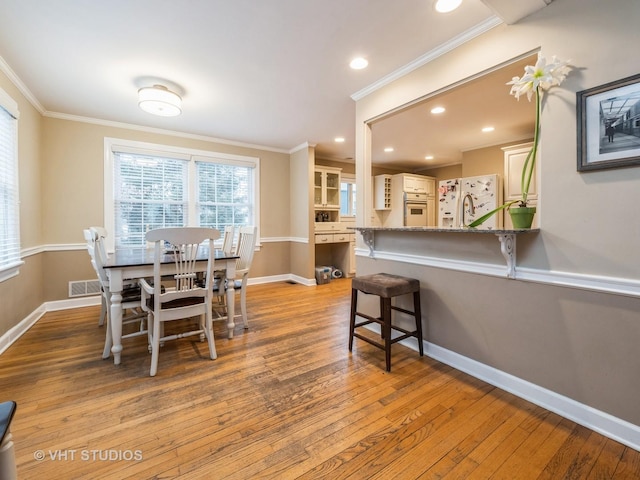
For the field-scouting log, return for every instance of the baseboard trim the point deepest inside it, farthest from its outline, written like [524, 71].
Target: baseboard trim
[18, 330]
[612, 427]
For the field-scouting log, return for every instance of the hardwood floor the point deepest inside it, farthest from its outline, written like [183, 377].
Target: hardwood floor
[284, 400]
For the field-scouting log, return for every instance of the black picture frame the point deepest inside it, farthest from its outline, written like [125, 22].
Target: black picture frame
[616, 106]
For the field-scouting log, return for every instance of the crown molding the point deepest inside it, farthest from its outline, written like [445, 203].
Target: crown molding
[8, 71]
[464, 37]
[160, 131]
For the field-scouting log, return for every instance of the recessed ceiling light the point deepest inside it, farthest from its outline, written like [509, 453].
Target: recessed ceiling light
[488, 129]
[429, 157]
[339, 139]
[388, 149]
[359, 63]
[437, 110]
[445, 6]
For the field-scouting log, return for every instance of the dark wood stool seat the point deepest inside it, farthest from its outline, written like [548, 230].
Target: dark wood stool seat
[385, 286]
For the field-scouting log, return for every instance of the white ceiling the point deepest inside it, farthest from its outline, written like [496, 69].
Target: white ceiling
[270, 73]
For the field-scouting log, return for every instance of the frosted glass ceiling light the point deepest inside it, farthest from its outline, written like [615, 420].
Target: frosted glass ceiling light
[444, 6]
[159, 100]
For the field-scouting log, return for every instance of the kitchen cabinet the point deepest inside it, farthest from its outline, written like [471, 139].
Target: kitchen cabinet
[326, 198]
[417, 183]
[382, 192]
[514, 158]
[326, 194]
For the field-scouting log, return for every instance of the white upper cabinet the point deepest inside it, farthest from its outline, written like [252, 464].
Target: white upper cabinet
[326, 194]
[417, 183]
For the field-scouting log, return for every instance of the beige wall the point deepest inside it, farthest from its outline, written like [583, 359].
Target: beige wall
[23, 294]
[301, 212]
[579, 343]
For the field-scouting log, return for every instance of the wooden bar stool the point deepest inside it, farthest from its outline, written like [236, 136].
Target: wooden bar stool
[385, 286]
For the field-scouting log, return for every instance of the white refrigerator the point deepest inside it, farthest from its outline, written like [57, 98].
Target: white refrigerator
[486, 193]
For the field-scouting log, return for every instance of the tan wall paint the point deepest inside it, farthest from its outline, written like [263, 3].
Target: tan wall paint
[21, 295]
[63, 267]
[301, 212]
[580, 344]
[273, 259]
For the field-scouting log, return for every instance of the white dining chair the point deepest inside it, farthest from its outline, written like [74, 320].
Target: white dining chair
[227, 239]
[245, 248]
[91, 248]
[131, 300]
[191, 292]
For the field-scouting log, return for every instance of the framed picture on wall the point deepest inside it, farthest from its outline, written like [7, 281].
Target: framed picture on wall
[609, 125]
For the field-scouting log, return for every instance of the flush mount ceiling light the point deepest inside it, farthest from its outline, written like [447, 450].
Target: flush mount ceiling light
[159, 100]
[445, 6]
[437, 110]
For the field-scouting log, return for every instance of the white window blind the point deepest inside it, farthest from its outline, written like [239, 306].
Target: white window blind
[224, 195]
[150, 192]
[151, 186]
[9, 209]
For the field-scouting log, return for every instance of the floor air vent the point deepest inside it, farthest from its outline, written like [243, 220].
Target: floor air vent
[82, 288]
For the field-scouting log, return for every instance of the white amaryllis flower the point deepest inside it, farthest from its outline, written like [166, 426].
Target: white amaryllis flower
[540, 77]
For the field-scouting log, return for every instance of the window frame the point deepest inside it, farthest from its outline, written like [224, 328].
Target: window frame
[12, 267]
[191, 156]
[351, 194]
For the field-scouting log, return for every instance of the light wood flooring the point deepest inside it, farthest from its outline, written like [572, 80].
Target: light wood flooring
[284, 400]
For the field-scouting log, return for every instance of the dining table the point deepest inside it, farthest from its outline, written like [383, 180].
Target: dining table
[126, 264]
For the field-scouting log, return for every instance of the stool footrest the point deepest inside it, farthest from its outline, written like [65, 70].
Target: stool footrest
[368, 340]
[403, 310]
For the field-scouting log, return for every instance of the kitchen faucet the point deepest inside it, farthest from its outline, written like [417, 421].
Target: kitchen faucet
[471, 208]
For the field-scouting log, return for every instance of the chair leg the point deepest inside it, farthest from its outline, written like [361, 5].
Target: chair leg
[108, 342]
[243, 305]
[386, 328]
[418, 314]
[209, 334]
[103, 311]
[352, 318]
[155, 346]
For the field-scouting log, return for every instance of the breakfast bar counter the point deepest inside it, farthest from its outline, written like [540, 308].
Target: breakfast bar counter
[467, 244]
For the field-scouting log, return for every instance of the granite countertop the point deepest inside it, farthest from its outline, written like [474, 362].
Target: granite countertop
[445, 230]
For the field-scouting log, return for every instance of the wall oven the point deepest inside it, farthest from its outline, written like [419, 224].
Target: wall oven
[415, 209]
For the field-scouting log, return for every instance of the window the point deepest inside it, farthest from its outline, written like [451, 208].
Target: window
[348, 197]
[9, 206]
[153, 186]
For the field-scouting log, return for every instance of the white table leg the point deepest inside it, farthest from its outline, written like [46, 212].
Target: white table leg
[115, 284]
